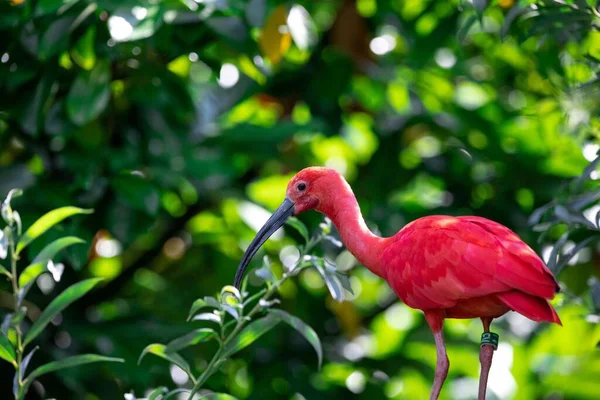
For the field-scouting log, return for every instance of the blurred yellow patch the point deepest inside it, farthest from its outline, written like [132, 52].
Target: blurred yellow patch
[269, 191]
[275, 39]
[16, 2]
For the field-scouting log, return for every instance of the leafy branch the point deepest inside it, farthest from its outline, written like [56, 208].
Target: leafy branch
[13, 339]
[243, 318]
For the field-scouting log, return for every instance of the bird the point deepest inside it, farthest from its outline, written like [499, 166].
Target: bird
[446, 266]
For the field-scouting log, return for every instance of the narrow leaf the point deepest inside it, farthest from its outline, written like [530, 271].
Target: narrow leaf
[511, 16]
[57, 305]
[51, 250]
[538, 213]
[480, 6]
[231, 311]
[305, 330]
[345, 281]
[586, 173]
[157, 393]
[159, 350]
[250, 334]
[218, 396]
[46, 222]
[25, 362]
[554, 253]
[196, 305]
[194, 337]
[30, 273]
[464, 29]
[7, 352]
[562, 261]
[70, 362]
[207, 317]
[299, 226]
[333, 283]
[174, 392]
[4, 271]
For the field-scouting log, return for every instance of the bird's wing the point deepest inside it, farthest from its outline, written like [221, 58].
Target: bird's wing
[436, 261]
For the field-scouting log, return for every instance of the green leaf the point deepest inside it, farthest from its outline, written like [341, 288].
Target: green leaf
[4, 271]
[53, 248]
[194, 337]
[159, 350]
[154, 395]
[7, 352]
[218, 396]
[57, 305]
[556, 251]
[30, 273]
[69, 362]
[89, 94]
[250, 334]
[305, 330]
[333, 283]
[40, 262]
[174, 392]
[299, 226]
[46, 222]
[196, 305]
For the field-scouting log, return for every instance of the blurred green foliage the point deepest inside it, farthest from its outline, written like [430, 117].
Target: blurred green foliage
[178, 121]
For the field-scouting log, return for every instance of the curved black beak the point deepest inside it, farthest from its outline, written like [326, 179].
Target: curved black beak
[283, 212]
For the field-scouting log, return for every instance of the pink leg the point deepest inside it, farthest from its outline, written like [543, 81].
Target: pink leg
[436, 321]
[486, 353]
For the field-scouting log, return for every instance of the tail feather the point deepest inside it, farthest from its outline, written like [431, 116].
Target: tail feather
[534, 308]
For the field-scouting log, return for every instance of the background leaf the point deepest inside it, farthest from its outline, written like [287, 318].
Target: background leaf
[61, 302]
[89, 94]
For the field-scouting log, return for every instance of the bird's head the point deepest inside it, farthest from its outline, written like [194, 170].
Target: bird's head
[309, 189]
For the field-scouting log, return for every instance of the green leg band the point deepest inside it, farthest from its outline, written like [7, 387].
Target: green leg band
[490, 338]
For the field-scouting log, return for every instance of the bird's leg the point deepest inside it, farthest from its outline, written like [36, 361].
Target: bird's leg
[436, 321]
[489, 343]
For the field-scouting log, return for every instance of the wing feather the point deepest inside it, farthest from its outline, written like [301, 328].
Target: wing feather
[440, 260]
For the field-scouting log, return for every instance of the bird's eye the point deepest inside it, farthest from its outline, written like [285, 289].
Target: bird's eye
[302, 187]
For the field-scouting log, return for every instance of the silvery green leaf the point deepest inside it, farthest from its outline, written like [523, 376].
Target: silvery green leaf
[345, 281]
[268, 303]
[264, 273]
[3, 245]
[231, 311]
[6, 323]
[538, 213]
[207, 317]
[334, 241]
[17, 218]
[23, 292]
[212, 302]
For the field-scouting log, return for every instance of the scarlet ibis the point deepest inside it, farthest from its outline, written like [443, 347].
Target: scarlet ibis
[448, 267]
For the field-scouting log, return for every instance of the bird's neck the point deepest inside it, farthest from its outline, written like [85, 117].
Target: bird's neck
[345, 214]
